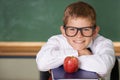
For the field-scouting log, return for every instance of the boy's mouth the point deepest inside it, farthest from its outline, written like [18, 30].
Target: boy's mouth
[79, 41]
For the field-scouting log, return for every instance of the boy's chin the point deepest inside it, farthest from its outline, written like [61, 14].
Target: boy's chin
[79, 48]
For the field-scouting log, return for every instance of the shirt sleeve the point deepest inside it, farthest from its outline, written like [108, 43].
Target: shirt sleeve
[52, 54]
[102, 60]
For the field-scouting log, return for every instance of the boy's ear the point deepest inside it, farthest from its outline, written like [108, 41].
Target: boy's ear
[96, 31]
[62, 30]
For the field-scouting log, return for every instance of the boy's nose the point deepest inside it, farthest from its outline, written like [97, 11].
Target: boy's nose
[79, 34]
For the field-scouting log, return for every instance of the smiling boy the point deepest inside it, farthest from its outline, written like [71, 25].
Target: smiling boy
[79, 34]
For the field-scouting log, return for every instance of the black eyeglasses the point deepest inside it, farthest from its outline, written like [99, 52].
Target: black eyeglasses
[85, 31]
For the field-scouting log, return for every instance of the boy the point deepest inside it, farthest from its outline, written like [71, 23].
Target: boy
[79, 33]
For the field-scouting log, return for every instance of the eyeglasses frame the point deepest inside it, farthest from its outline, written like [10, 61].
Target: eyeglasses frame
[79, 29]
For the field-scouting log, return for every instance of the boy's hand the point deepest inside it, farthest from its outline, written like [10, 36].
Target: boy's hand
[84, 52]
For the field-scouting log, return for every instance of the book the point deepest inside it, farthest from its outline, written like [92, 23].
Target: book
[60, 74]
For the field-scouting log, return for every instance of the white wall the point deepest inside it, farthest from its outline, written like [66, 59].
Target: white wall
[18, 69]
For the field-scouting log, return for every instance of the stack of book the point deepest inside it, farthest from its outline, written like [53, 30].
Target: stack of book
[60, 74]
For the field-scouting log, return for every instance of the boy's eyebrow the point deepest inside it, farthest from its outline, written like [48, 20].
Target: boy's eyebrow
[80, 27]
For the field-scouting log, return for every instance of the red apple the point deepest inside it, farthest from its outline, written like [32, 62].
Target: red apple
[71, 64]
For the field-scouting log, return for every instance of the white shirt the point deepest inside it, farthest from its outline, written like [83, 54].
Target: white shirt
[53, 53]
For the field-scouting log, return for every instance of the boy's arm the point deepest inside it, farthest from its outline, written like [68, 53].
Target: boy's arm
[52, 54]
[101, 61]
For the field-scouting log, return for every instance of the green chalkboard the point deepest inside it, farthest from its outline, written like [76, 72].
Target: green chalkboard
[37, 20]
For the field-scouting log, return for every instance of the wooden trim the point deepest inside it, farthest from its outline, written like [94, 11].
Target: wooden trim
[20, 48]
[31, 48]
[117, 48]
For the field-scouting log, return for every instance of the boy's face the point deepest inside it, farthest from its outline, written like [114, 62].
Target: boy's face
[79, 33]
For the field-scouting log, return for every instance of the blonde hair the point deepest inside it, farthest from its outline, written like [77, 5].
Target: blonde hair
[79, 10]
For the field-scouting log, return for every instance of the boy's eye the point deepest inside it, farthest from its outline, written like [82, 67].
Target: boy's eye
[86, 29]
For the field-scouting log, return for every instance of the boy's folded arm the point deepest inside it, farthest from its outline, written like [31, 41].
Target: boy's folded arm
[51, 56]
[101, 62]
